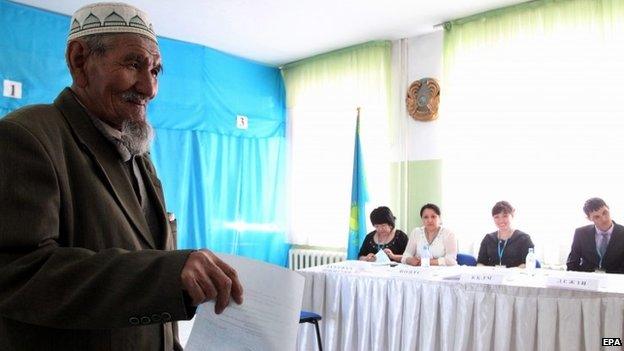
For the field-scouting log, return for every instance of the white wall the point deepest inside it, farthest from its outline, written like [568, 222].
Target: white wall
[424, 61]
[415, 145]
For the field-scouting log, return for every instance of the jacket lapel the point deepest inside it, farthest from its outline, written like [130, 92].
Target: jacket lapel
[591, 244]
[616, 236]
[154, 190]
[106, 161]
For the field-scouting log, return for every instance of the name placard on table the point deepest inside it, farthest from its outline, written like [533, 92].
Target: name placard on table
[407, 271]
[341, 268]
[577, 283]
[493, 278]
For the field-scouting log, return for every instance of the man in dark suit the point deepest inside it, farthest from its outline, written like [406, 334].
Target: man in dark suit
[87, 255]
[598, 246]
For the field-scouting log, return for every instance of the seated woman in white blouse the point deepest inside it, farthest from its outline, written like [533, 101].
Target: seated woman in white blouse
[440, 241]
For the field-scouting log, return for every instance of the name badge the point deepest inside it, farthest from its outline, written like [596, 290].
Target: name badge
[482, 278]
[573, 283]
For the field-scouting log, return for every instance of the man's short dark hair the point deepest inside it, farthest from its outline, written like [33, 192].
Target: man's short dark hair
[432, 207]
[502, 207]
[593, 204]
[382, 215]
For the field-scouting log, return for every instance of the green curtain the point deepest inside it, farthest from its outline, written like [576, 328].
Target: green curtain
[534, 18]
[532, 114]
[345, 77]
[322, 96]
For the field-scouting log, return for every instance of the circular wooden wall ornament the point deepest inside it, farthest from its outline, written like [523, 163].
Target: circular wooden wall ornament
[423, 98]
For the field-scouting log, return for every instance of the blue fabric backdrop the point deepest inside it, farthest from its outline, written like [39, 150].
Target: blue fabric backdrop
[32, 51]
[225, 185]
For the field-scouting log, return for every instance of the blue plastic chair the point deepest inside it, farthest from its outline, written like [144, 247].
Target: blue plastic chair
[311, 317]
[466, 260]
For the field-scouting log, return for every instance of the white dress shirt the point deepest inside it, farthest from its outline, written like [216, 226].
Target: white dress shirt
[443, 247]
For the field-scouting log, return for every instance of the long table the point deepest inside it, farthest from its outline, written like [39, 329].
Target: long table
[368, 307]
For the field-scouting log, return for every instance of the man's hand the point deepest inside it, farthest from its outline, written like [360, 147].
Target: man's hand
[205, 277]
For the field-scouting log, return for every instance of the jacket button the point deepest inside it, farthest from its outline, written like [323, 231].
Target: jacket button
[155, 318]
[145, 320]
[165, 316]
[134, 320]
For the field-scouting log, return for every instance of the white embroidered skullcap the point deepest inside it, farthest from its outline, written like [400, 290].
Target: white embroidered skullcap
[110, 17]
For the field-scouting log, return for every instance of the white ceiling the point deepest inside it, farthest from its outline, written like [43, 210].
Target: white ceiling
[275, 32]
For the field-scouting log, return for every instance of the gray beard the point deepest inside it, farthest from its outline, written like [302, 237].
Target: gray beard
[136, 136]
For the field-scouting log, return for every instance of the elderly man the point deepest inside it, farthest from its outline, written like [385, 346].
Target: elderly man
[86, 250]
[598, 246]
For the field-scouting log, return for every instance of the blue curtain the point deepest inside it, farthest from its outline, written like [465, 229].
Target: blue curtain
[32, 51]
[225, 185]
[226, 191]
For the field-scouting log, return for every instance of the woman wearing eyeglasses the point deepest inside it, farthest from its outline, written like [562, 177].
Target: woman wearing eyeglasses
[385, 237]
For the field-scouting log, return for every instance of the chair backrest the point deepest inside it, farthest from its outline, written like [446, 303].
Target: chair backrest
[466, 260]
[308, 317]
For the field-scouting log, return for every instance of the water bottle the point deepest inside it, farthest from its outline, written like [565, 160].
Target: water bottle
[531, 261]
[425, 257]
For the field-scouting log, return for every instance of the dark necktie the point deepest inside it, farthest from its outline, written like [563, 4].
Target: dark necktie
[602, 245]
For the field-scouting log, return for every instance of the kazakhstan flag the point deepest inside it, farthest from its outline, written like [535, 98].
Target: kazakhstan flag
[359, 196]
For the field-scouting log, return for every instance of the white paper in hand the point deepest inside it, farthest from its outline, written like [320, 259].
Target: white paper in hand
[268, 318]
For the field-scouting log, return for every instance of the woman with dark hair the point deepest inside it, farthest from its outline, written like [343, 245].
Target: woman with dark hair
[438, 241]
[385, 237]
[506, 246]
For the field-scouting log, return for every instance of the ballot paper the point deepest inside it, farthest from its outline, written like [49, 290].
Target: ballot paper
[382, 257]
[268, 318]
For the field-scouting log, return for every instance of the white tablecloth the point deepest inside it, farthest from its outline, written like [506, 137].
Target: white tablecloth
[376, 308]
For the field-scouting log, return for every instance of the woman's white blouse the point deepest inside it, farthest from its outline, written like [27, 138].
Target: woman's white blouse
[443, 247]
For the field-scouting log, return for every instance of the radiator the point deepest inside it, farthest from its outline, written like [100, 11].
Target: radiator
[304, 258]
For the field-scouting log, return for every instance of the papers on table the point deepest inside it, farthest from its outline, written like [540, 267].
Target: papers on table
[268, 318]
[381, 257]
[539, 278]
